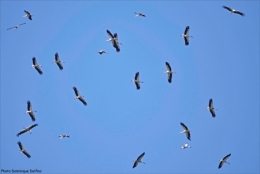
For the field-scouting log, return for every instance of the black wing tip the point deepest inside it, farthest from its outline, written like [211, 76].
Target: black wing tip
[170, 81]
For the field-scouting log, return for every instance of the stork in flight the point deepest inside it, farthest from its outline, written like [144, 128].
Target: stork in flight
[22, 150]
[233, 11]
[114, 40]
[169, 72]
[186, 131]
[78, 96]
[186, 35]
[211, 108]
[15, 27]
[139, 14]
[185, 146]
[137, 81]
[27, 14]
[28, 129]
[139, 160]
[224, 160]
[30, 111]
[58, 61]
[64, 136]
[102, 52]
[36, 66]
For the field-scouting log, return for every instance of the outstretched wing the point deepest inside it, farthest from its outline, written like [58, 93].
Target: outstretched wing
[109, 34]
[21, 132]
[20, 145]
[168, 66]
[32, 116]
[39, 70]
[27, 154]
[240, 13]
[228, 8]
[184, 126]
[76, 91]
[83, 101]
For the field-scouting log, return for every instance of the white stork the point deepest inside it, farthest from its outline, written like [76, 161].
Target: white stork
[22, 150]
[233, 11]
[186, 131]
[185, 146]
[30, 111]
[114, 40]
[64, 136]
[27, 14]
[186, 35]
[15, 27]
[139, 14]
[102, 52]
[58, 61]
[169, 72]
[224, 160]
[139, 160]
[28, 129]
[36, 66]
[211, 108]
[78, 96]
[137, 81]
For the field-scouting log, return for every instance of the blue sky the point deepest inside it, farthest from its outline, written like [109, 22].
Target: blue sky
[119, 122]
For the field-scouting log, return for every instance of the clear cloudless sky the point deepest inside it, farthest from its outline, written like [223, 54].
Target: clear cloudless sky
[119, 123]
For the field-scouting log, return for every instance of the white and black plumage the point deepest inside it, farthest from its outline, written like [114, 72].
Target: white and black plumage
[27, 14]
[139, 14]
[224, 160]
[28, 129]
[211, 108]
[169, 72]
[64, 136]
[114, 40]
[78, 96]
[15, 27]
[186, 35]
[233, 11]
[186, 131]
[138, 160]
[22, 150]
[58, 61]
[102, 52]
[137, 81]
[30, 111]
[185, 146]
[36, 66]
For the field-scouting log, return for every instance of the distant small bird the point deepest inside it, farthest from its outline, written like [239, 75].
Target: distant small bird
[185, 146]
[169, 72]
[64, 136]
[27, 14]
[36, 66]
[186, 35]
[15, 27]
[58, 61]
[138, 160]
[186, 131]
[78, 96]
[211, 108]
[233, 11]
[28, 129]
[22, 150]
[102, 52]
[224, 160]
[139, 14]
[137, 81]
[30, 111]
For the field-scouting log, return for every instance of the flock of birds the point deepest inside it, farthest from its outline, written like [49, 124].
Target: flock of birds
[116, 44]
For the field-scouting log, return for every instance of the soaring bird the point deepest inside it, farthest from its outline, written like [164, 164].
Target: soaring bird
[224, 160]
[186, 35]
[185, 146]
[114, 40]
[27, 129]
[211, 108]
[137, 81]
[78, 96]
[27, 14]
[15, 27]
[186, 131]
[138, 160]
[58, 61]
[139, 14]
[169, 72]
[233, 11]
[102, 52]
[22, 150]
[30, 111]
[36, 66]
[64, 136]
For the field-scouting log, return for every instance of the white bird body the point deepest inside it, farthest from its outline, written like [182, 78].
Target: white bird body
[186, 35]
[78, 96]
[17, 26]
[102, 52]
[30, 110]
[58, 61]
[169, 72]
[185, 146]
[211, 108]
[22, 150]
[186, 131]
[27, 14]
[36, 66]
[233, 11]
[224, 160]
[137, 81]
[114, 40]
[28, 129]
[139, 160]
